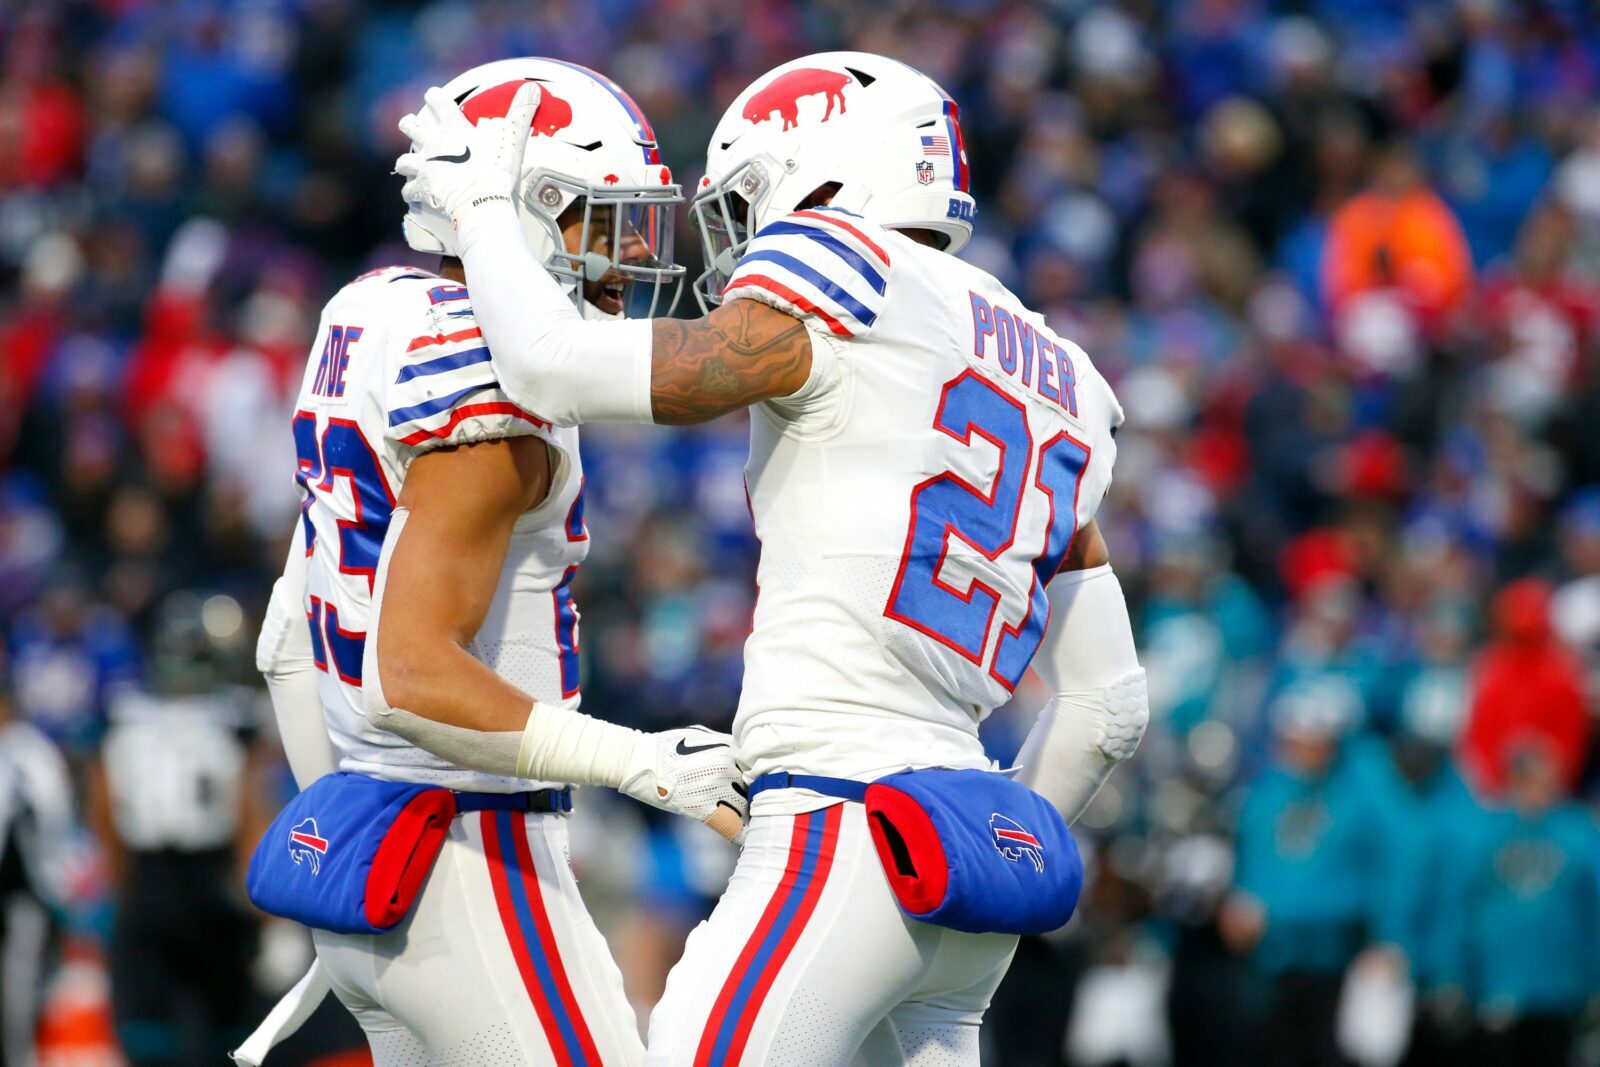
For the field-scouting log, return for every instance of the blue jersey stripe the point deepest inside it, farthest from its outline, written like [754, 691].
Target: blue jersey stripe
[437, 406]
[833, 292]
[827, 240]
[440, 364]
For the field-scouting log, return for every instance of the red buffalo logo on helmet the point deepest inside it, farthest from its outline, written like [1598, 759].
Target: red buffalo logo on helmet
[553, 114]
[785, 92]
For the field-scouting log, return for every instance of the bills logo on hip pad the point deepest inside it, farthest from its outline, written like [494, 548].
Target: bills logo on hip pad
[1013, 842]
[307, 845]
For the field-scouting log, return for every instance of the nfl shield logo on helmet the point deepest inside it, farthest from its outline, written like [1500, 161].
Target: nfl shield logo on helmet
[1013, 842]
[924, 172]
[307, 845]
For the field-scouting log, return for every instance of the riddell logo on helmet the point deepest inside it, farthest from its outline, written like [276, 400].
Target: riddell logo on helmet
[786, 91]
[554, 114]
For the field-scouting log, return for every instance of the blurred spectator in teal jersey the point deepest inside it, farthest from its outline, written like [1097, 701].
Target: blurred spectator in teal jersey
[1522, 918]
[1432, 810]
[1313, 864]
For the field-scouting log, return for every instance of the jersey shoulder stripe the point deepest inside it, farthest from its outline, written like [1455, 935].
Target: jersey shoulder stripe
[788, 295]
[436, 405]
[440, 388]
[443, 364]
[829, 288]
[840, 218]
[500, 408]
[431, 340]
[820, 264]
[850, 256]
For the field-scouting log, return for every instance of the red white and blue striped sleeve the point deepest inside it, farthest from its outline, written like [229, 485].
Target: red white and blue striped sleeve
[824, 265]
[444, 391]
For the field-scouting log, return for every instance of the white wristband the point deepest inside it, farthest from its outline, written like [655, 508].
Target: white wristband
[559, 745]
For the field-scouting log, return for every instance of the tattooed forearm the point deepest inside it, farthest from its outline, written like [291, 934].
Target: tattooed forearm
[740, 354]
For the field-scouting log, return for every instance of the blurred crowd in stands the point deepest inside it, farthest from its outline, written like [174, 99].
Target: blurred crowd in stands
[1341, 260]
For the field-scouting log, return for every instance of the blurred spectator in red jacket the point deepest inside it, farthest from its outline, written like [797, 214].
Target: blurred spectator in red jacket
[1528, 688]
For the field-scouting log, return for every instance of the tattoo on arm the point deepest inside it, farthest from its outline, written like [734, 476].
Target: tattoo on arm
[741, 354]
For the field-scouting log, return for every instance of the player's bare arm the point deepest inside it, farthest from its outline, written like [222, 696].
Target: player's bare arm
[1088, 549]
[461, 505]
[741, 354]
[455, 518]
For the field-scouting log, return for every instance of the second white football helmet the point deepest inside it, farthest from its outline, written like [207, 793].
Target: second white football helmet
[588, 141]
[885, 133]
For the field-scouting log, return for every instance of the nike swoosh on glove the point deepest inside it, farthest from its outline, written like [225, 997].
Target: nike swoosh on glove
[688, 772]
[454, 165]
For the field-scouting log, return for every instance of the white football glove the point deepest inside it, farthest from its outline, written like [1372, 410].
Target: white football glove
[688, 772]
[455, 166]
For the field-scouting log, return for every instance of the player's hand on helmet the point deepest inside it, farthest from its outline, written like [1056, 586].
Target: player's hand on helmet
[454, 165]
[689, 772]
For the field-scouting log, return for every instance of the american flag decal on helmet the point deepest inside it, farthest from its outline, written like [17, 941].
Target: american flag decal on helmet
[1013, 841]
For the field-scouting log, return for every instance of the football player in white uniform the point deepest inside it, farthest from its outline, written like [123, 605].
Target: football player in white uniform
[442, 523]
[926, 460]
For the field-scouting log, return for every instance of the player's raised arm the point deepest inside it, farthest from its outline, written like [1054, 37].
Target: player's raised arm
[1087, 657]
[546, 354]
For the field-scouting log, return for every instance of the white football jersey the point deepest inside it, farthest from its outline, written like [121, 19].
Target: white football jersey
[912, 501]
[398, 368]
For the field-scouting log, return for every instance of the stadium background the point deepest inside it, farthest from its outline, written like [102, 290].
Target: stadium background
[1340, 259]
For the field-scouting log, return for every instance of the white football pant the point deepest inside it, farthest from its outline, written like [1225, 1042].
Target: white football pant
[498, 965]
[807, 961]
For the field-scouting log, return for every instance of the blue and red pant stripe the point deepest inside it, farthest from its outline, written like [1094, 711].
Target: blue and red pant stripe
[520, 900]
[812, 845]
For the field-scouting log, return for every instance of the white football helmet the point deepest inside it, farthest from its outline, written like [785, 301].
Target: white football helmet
[885, 133]
[589, 141]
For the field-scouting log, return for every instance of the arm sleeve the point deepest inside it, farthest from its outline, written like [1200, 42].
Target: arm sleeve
[1100, 708]
[825, 266]
[284, 657]
[545, 356]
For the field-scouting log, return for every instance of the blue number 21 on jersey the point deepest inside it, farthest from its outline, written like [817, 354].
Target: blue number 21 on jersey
[946, 506]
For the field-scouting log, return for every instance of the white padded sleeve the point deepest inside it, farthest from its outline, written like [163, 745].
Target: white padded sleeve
[1100, 708]
[546, 356]
[283, 656]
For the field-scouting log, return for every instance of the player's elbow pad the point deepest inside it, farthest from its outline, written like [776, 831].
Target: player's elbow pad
[1101, 709]
[1080, 737]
